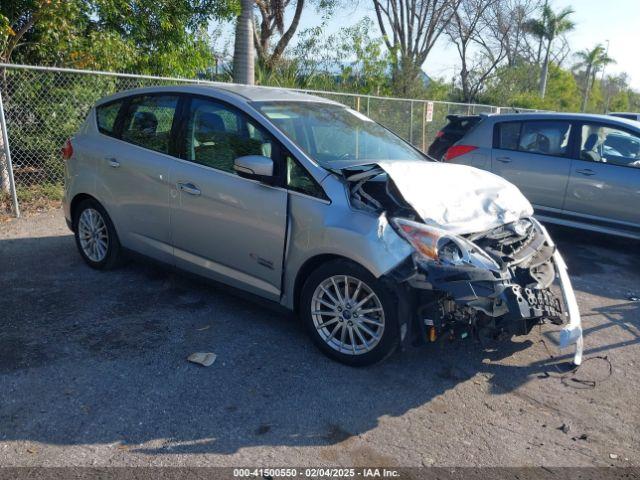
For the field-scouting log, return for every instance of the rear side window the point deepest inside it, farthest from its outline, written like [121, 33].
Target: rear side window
[543, 137]
[148, 121]
[106, 116]
[508, 135]
[546, 138]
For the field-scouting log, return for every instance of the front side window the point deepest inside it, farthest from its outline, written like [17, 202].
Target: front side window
[106, 116]
[148, 121]
[600, 143]
[299, 180]
[216, 135]
[335, 136]
[545, 137]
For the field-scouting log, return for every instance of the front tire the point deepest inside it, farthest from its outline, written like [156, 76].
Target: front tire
[96, 236]
[349, 314]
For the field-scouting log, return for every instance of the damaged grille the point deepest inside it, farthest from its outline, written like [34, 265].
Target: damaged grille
[522, 247]
[511, 243]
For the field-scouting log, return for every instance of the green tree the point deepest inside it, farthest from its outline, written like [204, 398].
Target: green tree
[554, 24]
[169, 36]
[161, 37]
[536, 27]
[591, 60]
[40, 31]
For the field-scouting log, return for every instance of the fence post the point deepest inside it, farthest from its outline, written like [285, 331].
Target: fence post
[424, 126]
[411, 122]
[6, 169]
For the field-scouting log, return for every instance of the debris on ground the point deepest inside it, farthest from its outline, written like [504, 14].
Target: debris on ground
[633, 298]
[206, 327]
[205, 359]
[564, 428]
[581, 437]
[613, 456]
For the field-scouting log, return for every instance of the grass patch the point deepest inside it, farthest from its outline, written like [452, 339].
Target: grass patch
[34, 198]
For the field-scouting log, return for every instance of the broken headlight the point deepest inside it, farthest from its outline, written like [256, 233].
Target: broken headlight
[436, 245]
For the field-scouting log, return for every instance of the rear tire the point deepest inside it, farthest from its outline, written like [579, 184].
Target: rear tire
[95, 235]
[349, 314]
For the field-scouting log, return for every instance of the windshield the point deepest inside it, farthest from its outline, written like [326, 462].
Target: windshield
[336, 136]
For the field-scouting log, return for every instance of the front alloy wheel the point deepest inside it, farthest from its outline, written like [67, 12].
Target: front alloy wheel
[350, 315]
[347, 314]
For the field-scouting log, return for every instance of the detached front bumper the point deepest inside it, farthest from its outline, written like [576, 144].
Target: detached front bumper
[572, 332]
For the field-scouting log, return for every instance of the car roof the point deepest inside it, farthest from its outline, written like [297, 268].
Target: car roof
[586, 117]
[239, 93]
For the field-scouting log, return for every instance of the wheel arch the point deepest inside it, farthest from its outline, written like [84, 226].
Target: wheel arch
[77, 200]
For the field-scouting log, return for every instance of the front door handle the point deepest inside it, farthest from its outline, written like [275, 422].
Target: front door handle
[504, 159]
[112, 162]
[189, 188]
[586, 171]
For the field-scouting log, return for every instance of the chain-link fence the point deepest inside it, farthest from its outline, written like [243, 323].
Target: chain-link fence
[44, 106]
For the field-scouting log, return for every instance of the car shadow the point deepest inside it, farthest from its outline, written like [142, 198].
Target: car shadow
[100, 357]
[588, 253]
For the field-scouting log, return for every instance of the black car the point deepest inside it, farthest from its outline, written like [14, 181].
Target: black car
[454, 130]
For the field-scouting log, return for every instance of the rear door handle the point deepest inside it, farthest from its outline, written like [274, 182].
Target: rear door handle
[586, 171]
[504, 159]
[189, 188]
[112, 162]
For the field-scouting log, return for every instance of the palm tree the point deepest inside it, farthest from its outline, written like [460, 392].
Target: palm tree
[591, 60]
[602, 61]
[555, 24]
[243, 66]
[535, 27]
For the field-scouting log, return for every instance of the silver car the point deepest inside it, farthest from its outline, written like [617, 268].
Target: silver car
[577, 170]
[310, 204]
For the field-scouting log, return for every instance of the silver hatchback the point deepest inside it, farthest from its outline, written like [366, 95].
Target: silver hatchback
[577, 170]
[310, 204]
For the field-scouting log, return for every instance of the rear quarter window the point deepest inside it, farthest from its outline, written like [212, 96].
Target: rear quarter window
[106, 117]
[507, 135]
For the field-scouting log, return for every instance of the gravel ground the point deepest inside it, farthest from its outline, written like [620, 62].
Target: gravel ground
[93, 371]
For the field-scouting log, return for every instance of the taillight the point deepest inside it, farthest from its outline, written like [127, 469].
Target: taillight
[439, 134]
[67, 150]
[458, 150]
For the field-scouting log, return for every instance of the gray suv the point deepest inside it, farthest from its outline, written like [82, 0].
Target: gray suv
[577, 170]
[308, 203]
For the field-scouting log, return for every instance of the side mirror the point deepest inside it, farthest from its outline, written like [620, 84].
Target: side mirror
[256, 167]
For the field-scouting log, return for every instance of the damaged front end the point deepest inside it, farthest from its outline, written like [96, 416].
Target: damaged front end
[482, 282]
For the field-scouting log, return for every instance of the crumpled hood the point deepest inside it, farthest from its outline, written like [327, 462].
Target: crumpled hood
[457, 198]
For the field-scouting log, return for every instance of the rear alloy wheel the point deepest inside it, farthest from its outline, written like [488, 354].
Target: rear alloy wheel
[93, 235]
[351, 316]
[96, 237]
